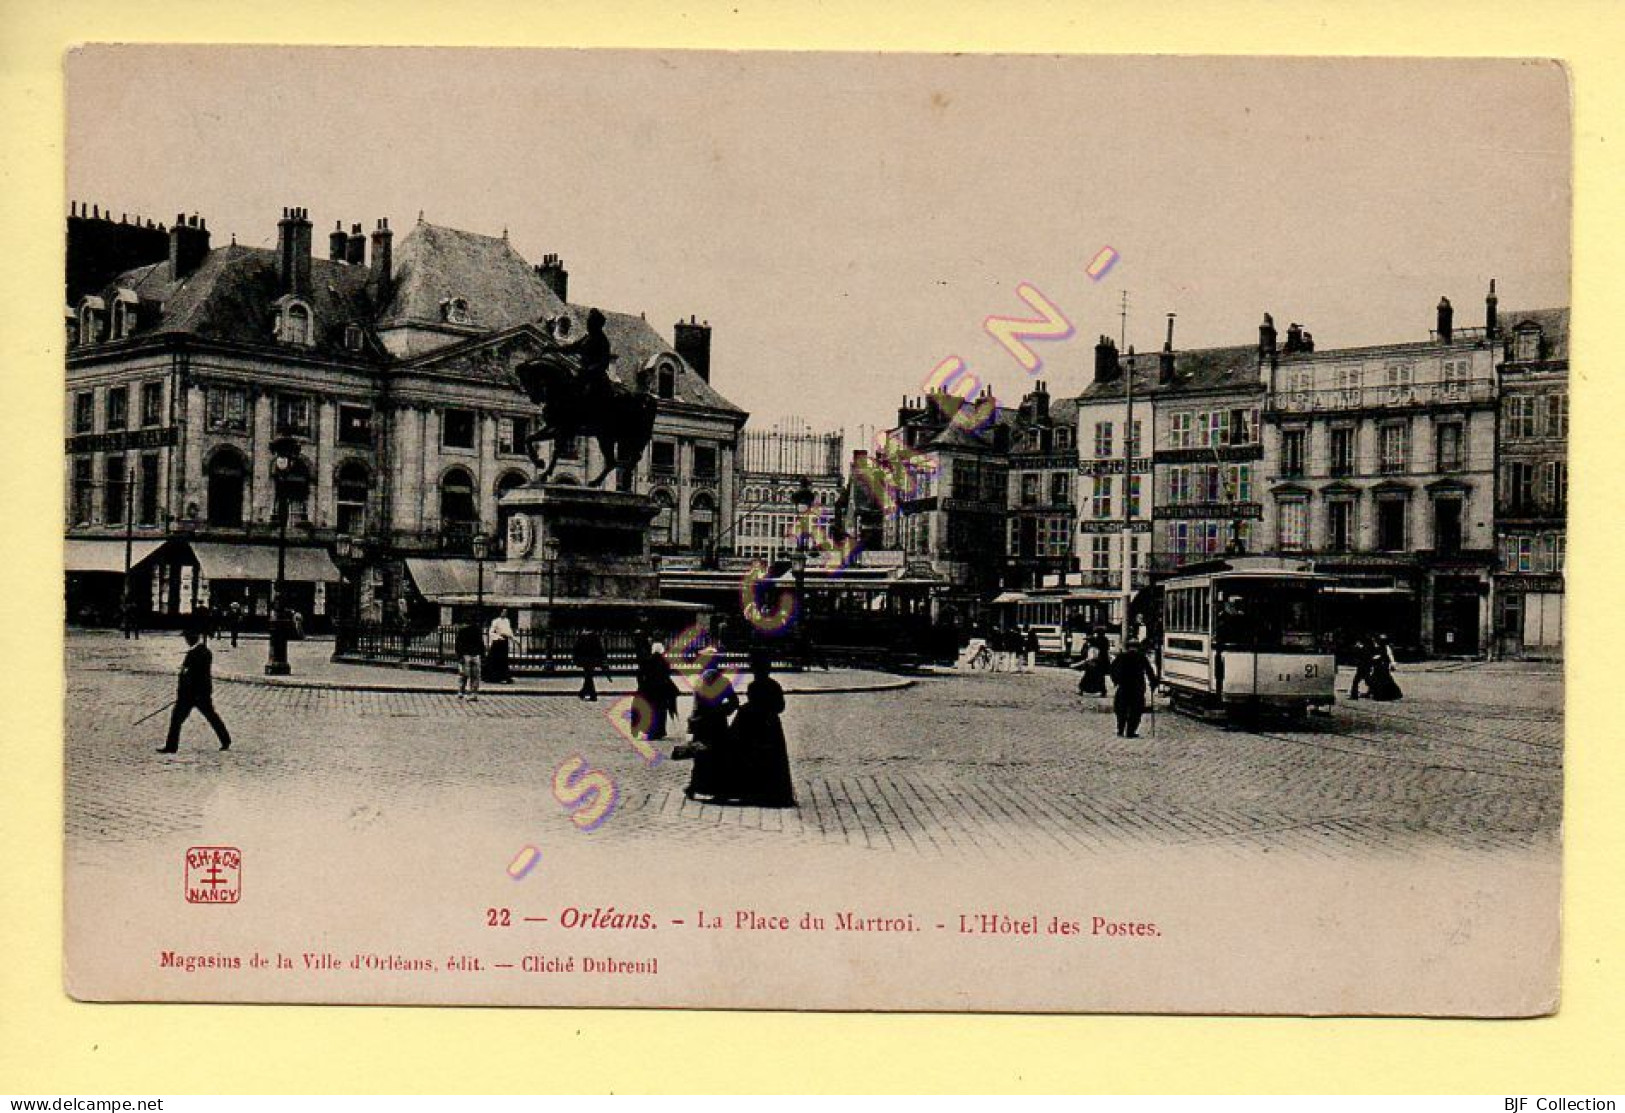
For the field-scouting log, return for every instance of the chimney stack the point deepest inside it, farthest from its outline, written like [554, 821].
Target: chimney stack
[552, 273]
[693, 342]
[336, 239]
[1165, 362]
[1266, 339]
[1106, 367]
[1492, 326]
[383, 259]
[293, 252]
[355, 251]
[1446, 328]
[188, 244]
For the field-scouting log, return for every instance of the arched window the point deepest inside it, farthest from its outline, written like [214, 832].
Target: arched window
[666, 381]
[227, 480]
[510, 481]
[702, 520]
[353, 484]
[293, 323]
[298, 330]
[124, 319]
[665, 520]
[457, 506]
[92, 320]
[296, 489]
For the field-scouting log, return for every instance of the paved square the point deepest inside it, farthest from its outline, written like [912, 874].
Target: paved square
[973, 764]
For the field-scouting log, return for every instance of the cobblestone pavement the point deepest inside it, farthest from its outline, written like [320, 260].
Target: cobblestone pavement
[959, 764]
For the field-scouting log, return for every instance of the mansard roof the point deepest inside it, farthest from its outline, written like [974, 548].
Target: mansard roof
[231, 296]
[1554, 329]
[434, 263]
[1196, 370]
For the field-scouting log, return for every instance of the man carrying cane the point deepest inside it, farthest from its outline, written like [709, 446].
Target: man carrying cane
[1130, 672]
[195, 691]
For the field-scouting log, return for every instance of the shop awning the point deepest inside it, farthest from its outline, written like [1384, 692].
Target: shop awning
[221, 561]
[81, 555]
[438, 578]
[1355, 589]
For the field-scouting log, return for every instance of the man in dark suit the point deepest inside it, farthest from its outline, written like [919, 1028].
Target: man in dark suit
[195, 691]
[1130, 672]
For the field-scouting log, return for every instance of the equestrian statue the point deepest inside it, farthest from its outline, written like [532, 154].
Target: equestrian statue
[572, 385]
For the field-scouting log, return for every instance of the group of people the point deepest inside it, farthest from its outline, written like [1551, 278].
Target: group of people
[482, 655]
[1014, 650]
[1132, 675]
[1374, 667]
[739, 751]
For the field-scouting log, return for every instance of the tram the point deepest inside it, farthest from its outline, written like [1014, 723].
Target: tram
[1248, 634]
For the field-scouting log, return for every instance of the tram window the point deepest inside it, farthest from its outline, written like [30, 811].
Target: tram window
[1270, 617]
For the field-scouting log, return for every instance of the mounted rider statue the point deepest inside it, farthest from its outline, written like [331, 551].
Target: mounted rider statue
[572, 385]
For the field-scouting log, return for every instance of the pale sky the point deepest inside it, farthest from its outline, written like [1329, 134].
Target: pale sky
[845, 221]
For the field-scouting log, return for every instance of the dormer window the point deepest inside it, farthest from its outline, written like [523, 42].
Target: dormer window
[454, 311]
[294, 323]
[92, 320]
[124, 314]
[1526, 344]
[352, 338]
[666, 381]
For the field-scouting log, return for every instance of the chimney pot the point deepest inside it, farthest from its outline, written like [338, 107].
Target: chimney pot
[1446, 315]
[1106, 362]
[383, 261]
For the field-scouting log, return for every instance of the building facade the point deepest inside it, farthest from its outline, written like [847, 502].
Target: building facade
[951, 520]
[1111, 446]
[392, 373]
[1043, 472]
[773, 462]
[1531, 509]
[1381, 469]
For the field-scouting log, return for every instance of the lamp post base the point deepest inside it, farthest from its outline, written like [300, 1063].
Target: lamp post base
[277, 668]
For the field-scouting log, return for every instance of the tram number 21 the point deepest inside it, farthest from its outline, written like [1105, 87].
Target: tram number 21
[1310, 671]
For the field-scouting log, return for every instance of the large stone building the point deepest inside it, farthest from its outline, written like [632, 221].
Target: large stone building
[950, 518]
[392, 370]
[1188, 495]
[1381, 468]
[1042, 491]
[1531, 509]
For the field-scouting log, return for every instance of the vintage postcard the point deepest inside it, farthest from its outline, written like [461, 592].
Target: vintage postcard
[815, 531]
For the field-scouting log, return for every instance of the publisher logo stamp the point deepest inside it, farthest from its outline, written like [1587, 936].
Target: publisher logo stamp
[214, 874]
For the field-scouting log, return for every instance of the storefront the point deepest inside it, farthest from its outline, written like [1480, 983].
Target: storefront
[187, 575]
[94, 573]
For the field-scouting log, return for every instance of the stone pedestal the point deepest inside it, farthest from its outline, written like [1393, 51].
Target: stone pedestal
[569, 542]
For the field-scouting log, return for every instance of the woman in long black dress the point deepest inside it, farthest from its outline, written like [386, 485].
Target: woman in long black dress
[1381, 684]
[658, 691]
[715, 765]
[1095, 667]
[764, 759]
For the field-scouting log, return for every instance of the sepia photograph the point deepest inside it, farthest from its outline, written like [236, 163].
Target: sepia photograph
[815, 531]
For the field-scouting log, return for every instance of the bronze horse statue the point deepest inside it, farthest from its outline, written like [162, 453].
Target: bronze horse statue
[577, 396]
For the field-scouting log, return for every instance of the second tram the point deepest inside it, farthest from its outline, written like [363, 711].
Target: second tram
[1248, 634]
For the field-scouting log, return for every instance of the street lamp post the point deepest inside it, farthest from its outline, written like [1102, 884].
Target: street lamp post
[803, 498]
[551, 549]
[482, 549]
[127, 603]
[285, 456]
